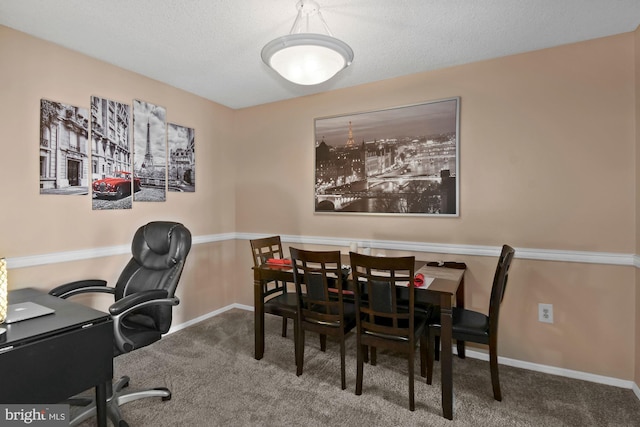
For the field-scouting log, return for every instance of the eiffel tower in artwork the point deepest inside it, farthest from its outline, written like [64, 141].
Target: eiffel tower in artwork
[148, 157]
[351, 143]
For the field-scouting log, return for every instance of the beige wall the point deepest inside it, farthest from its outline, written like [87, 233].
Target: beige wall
[548, 161]
[34, 224]
[546, 143]
[206, 285]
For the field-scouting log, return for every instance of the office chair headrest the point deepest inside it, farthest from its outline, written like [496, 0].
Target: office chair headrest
[159, 245]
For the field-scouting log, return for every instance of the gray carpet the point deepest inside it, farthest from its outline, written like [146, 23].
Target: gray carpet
[215, 381]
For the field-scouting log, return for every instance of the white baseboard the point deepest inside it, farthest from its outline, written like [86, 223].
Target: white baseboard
[199, 319]
[562, 372]
[569, 373]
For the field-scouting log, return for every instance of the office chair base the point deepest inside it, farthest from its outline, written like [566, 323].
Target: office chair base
[117, 398]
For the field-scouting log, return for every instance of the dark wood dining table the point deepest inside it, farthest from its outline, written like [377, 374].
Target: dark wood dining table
[446, 288]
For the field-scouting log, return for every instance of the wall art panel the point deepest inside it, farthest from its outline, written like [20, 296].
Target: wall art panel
[111, 157]
[150, 151]
[182, 158]
[64, 155]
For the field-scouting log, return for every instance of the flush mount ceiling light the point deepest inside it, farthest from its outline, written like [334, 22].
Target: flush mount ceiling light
[304, 57]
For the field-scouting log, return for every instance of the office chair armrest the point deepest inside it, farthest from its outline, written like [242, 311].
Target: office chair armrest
[81, 287]
[139, 300]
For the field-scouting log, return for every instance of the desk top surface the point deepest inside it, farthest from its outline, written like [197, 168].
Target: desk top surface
[68, 316]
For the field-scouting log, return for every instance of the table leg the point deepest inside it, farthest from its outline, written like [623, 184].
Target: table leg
[460, 304]
[101, 404]
[446, 357]
[259, 318]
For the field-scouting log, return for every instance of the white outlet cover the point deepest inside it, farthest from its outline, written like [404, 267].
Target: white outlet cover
[545, 313]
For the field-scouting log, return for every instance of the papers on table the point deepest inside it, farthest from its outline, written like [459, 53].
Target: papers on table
[427, 280]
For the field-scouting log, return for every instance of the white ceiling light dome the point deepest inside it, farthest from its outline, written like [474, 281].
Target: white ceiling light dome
[307, 58]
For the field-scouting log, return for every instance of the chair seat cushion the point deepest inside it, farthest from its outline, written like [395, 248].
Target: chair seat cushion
[284, 302]
[349, 309]
[349, 316]
[470, 322]
[140, 330]
[468, 325]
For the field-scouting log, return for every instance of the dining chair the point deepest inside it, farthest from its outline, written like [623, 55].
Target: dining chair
[321, 306]
[384, 318]
[277, 298]
[477, 327]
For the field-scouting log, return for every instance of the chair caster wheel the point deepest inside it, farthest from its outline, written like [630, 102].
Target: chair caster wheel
[165, 398]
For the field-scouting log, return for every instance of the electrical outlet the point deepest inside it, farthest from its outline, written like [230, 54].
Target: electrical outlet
[545, 313]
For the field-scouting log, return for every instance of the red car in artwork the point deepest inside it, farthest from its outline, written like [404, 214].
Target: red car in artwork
[118, 185]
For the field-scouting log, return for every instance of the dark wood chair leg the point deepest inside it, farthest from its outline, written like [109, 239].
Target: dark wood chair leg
[412, 401]
[343, 375]
[323, 342]
[424, 348]
[300, 352]
[360, 368]
[495, 379]
[296, 341]
[430, 354]
[436, 347]
[284, 326]
[461, 349]
[374, 356]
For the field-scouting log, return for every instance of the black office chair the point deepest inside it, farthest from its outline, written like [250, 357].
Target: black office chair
[144, 296]
[477, 327]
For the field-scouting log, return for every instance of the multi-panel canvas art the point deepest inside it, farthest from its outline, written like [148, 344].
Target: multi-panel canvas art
[90, 152]
[150, 151]
[402, 161]
[64, 148]
[112, 178]
[182, 158]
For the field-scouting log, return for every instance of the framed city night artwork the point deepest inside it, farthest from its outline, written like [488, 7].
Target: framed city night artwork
[397, 161]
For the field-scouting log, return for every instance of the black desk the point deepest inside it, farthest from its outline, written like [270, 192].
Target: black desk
[51, 358]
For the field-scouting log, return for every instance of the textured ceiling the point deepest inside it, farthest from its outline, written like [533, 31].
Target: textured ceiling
[212, 47]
